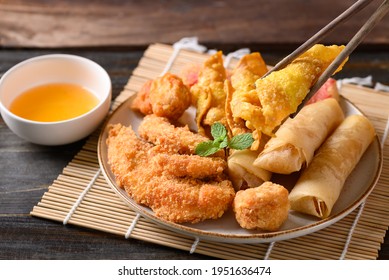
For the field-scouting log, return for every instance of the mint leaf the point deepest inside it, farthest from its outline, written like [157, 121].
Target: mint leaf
[224, 143]
[241, 141]
[207, 148]
[219, 132]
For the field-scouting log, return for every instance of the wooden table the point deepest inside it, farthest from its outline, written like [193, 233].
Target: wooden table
[115, 36]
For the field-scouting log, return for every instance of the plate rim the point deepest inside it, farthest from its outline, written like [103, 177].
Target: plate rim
[262, 237]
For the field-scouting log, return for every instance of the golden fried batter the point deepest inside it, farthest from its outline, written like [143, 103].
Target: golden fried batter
[265, 207]
[250, 68]
[126, 156]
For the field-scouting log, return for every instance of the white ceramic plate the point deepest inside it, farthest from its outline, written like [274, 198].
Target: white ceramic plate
[357, 187]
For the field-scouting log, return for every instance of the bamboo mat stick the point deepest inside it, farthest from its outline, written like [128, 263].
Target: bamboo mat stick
[122, 208]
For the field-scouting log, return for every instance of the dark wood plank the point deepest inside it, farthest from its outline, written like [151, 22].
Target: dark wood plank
[45, 23]
[26, 171]
[23, 237]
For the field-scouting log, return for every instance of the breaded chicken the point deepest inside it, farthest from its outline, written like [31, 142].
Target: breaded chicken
[127, 155]
[138, 169]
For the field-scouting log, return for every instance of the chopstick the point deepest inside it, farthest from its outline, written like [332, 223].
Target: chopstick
[352, 10]
[350, 47]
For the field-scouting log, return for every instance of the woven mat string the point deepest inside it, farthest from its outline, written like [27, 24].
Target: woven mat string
[190, 44]
[351, 231]
[81, 197]
[385, 134]
[132, 226]
[238, 54]
[269, 249]
[194, 245]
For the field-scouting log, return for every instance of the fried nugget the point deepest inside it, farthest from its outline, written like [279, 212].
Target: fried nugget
[265, 207]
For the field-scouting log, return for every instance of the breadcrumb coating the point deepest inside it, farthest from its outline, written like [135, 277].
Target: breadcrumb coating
[265, 207]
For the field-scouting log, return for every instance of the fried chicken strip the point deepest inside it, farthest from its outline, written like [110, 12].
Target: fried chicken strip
[127, 156]
[189, 165]
[161, 132]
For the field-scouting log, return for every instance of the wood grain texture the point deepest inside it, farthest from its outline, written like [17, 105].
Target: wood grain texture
[26, 171]
[44, 23]
[118, 31]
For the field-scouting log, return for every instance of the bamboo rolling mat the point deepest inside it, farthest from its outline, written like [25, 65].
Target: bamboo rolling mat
[80, 195]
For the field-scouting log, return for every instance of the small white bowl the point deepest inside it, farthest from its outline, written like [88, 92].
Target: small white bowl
[55, 68]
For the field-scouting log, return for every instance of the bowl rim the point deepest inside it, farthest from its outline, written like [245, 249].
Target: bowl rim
[102, 101]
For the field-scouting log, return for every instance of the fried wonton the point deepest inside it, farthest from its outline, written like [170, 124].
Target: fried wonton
[278, 95]
[208, 94]
[240, 96]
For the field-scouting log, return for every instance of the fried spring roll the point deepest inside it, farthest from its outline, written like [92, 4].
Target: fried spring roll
[297, 139]
[319, 186]
[243, 173]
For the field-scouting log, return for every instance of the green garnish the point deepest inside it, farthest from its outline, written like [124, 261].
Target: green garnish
[221, 141]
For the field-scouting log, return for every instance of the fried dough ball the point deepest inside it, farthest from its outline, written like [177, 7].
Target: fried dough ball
[166, 96]
[265, 207]
[169, 97]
